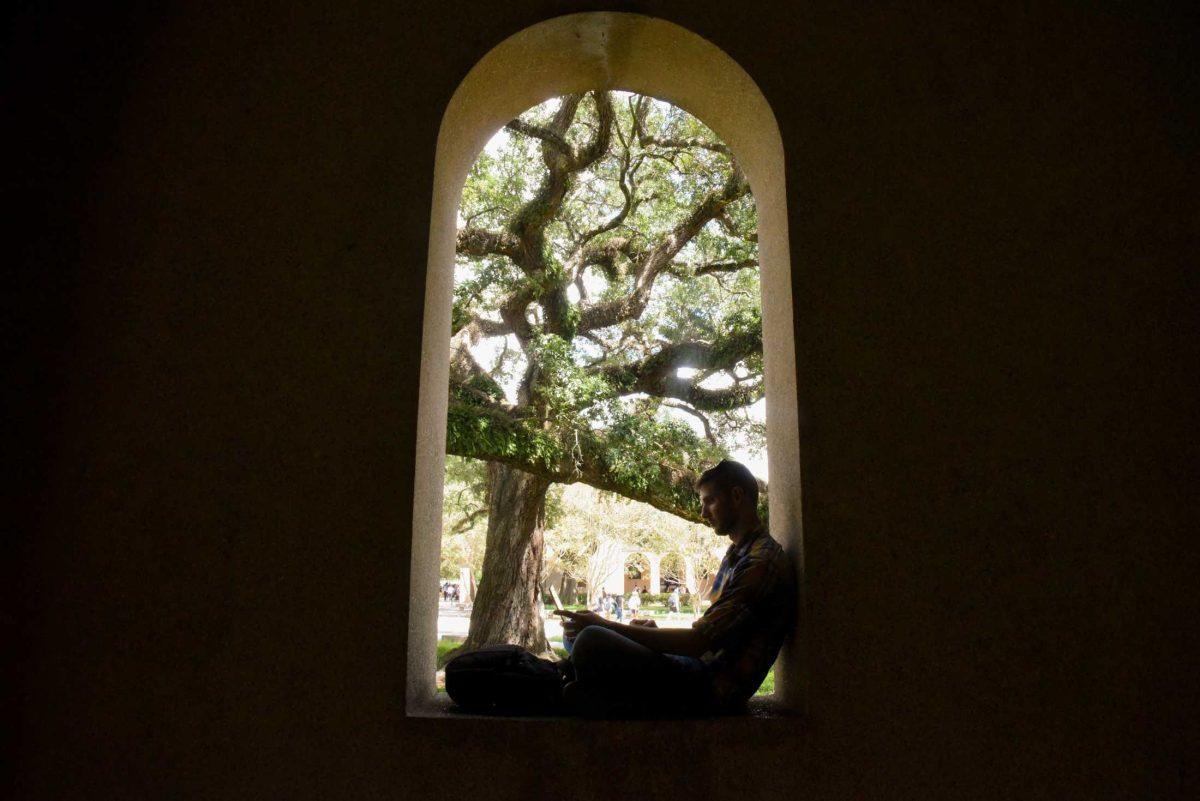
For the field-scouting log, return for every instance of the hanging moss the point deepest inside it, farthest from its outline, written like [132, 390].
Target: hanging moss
[478, 390]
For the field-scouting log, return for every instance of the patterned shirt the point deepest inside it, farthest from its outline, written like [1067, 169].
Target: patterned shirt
[753, 609]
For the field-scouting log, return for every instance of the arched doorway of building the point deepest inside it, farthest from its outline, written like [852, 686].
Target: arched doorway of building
[637, 573]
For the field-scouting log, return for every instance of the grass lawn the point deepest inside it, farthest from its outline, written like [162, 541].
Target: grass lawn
[768, 685]
[445, 648]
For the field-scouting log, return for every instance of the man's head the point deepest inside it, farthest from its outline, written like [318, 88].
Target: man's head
[728, 497]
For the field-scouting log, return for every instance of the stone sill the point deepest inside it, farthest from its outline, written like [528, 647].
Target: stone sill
[759, 708]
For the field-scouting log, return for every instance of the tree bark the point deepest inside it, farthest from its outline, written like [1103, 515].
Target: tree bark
[508, 606]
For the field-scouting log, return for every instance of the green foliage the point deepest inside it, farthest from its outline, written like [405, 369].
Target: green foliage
[561, 383]
[481, 283]
[468, 431]
[768, 685]
[464, 518]
[478, 390]
[638, 443]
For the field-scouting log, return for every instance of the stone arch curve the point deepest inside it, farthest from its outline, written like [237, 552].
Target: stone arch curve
[576, 53]
[620, 558]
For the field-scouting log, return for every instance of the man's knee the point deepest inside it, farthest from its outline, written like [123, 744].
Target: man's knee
[588, 642]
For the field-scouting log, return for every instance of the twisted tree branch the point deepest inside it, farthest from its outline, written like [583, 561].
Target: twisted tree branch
[657, 374]
[552, 138]
[659, 258]
[692, 270]
[478, 242]
[683, 407]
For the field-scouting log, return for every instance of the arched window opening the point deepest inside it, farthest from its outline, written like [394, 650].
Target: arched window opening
[584, 61]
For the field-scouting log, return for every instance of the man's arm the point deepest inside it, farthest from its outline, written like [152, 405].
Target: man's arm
[686, 642]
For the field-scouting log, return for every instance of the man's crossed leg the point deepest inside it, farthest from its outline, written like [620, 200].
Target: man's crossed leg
[617, 677]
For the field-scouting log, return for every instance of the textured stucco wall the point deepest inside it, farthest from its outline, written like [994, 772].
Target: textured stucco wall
[216, 310]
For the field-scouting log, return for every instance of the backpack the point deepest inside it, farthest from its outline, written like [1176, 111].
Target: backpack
[505, 680]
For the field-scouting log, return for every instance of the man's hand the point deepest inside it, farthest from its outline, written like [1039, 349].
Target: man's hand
[688, 642]
[575, 622]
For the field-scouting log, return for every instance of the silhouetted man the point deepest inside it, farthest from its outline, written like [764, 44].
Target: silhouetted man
[717, 664]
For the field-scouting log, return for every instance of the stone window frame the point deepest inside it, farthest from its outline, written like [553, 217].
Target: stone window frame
[577, 53]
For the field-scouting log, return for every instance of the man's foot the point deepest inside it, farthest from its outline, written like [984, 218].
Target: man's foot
[566, 669]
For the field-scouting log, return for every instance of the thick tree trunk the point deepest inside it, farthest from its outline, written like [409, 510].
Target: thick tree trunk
[508, 605]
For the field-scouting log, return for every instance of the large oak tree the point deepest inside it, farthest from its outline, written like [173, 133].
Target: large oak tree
[606, 289]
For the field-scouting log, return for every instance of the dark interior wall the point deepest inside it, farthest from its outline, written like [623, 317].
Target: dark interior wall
[215, 315]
